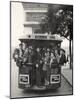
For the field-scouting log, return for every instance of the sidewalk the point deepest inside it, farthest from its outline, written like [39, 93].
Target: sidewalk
[67, 73]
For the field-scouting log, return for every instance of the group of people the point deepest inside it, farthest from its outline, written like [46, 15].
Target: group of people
[42, 60]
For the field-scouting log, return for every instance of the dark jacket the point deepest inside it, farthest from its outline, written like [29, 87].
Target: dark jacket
[18, 60]
[62, 59]
[37, 57]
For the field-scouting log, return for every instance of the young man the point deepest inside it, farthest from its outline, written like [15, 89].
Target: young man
[18, 55]
[46, 70]
[38, 64]
[57, 55]
[62, 57]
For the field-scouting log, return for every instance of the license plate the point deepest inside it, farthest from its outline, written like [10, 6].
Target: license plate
[24, 79]
[55, 79]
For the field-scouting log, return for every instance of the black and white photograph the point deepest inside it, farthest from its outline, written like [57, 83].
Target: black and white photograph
[41, 49]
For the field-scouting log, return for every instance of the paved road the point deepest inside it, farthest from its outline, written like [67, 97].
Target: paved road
[65, 88]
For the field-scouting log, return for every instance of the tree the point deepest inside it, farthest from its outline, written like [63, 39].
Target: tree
[59, 20]
[65, 27]
[65, 22]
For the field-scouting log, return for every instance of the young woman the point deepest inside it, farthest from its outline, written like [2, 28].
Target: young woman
[46, 68]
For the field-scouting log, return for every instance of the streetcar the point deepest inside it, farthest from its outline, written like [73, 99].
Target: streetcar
[35, 69]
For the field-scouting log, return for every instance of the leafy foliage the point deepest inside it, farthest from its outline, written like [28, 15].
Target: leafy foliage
[58, 20]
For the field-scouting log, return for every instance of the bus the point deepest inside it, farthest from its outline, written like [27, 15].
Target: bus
[35, 68]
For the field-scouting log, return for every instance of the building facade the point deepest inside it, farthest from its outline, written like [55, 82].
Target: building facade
[33, 13]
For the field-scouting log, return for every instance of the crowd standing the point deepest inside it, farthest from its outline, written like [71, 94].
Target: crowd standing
[42, 60]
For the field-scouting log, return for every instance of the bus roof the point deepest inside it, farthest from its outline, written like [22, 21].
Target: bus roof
[38, 37]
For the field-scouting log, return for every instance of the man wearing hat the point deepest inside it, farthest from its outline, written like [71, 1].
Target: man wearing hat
[62, 57]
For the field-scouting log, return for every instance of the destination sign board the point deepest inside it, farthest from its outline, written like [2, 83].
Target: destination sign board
[40, 37]
[43, 37]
